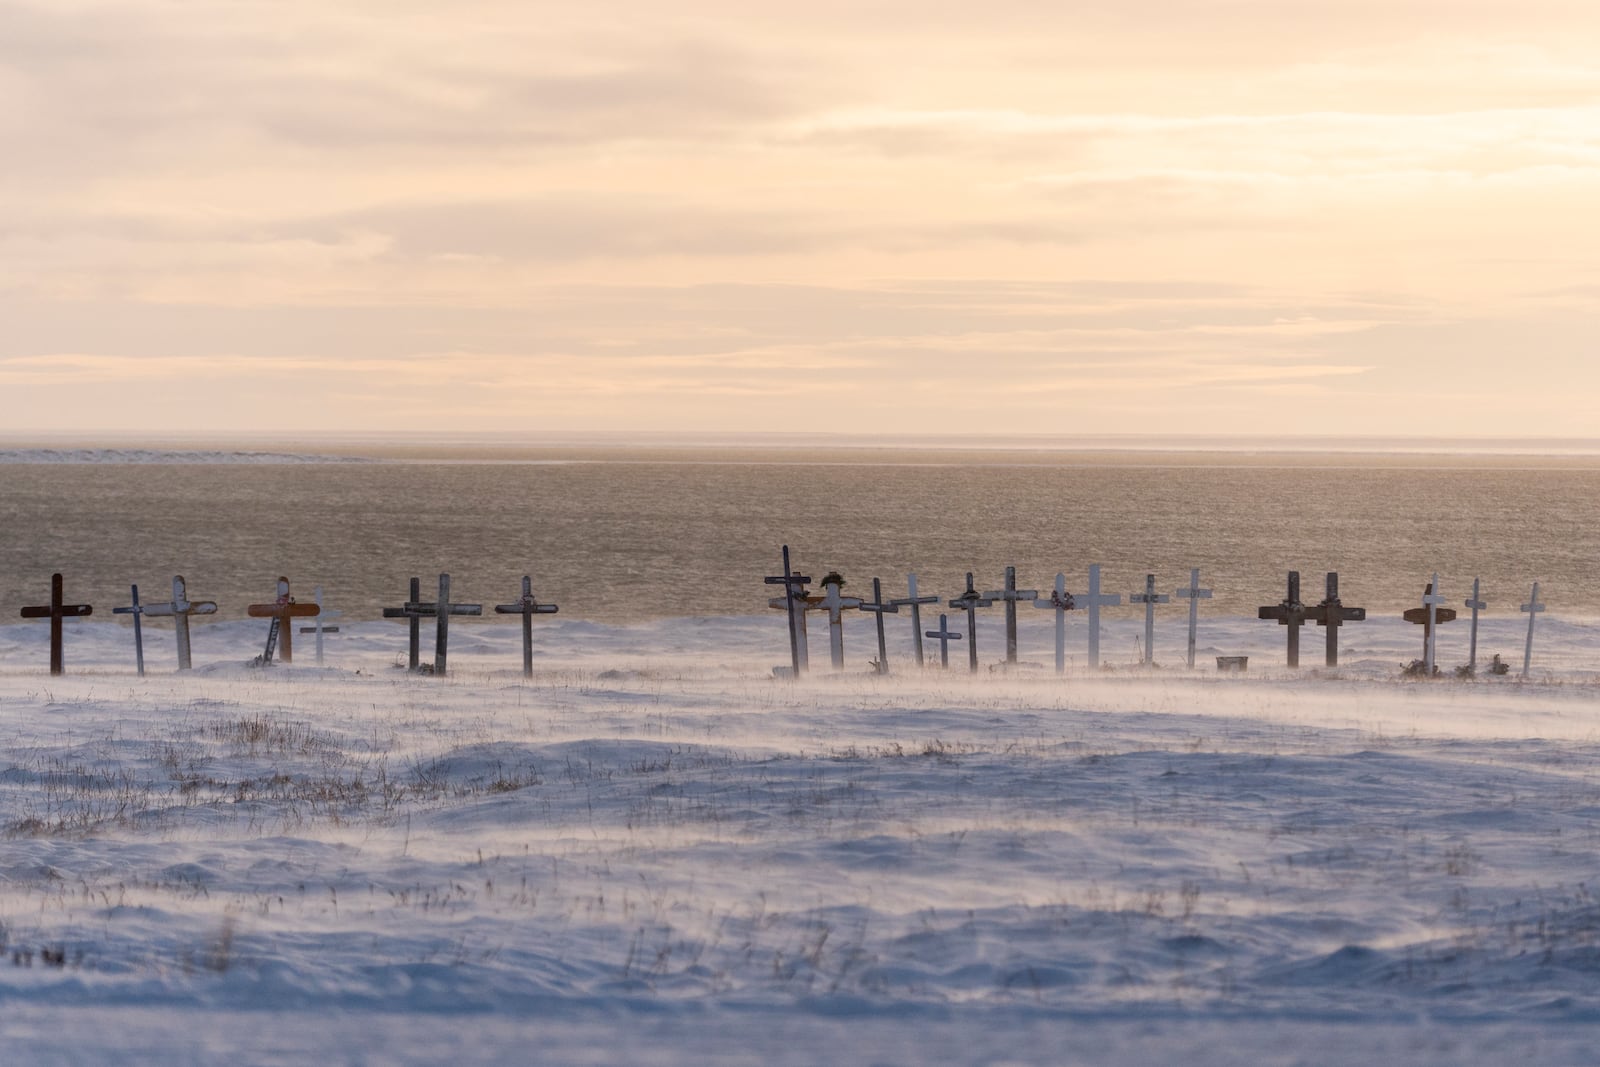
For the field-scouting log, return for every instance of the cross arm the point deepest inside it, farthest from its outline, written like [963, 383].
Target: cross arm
[526, 607]
[67, 611]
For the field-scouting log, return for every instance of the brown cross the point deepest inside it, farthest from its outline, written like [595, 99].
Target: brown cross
[1291, 613]
[1332, 613]
[281, 611]
[527, 607]
[55, 611]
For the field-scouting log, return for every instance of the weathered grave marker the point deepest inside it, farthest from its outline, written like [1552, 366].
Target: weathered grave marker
[138, 631]
[1532, 607]
[914, 602]
[1289, 612]
[835, 605]
[1060, 601]
[527, 607]
[1009, 596]
[440, 610]
[55, 611]
[282, 611]
[323, 614]
[1094, 600]
[412, 610]
[794, 586]
[1193, 594]
[180, 607]
[1429, 617]
[1476, 605]
[1333, 614]
[971, 601]
[1149, 598]
[877, 606]
[944, 635]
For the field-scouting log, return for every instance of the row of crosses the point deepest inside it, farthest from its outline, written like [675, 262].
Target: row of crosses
[282, 611]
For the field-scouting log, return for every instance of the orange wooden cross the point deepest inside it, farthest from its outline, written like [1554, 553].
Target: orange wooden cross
[55, 611]
[281, 611]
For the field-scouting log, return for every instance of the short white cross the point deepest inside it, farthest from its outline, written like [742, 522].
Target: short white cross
[1149, 598]
[836, 605]
[180, 607]
[1193, 594]
[319, 629]
[1060, 601]
[1094, 600]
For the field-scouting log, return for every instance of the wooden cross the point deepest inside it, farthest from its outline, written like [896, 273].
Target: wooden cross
[1149, 598]
[1009, 596]
[1429, 616]
[1532, 607]
[180, 607]
[1193, 594]
[1476, 605]
[283, 611]
[971, 601]
[879, 608]
[412, 610]
[1332, 613]
[55, 611]
[527, 607]
[319, 629]
[440, 611]
[136, 610]
[835, 605]
[1291, 613]
[914, 602]
[794, 586]
[1094, 600]
[1060, 601]
[944, 635]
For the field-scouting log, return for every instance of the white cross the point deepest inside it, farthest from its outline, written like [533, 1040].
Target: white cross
[1476, 605]
[1532, 607]
[1149, 598]
[836, 605]
[915, 602]
[322, 613]
[1193, 594]
[1010, 595]
[180, 607]
[1431, 599]
[1060, 601]
[1094, 600]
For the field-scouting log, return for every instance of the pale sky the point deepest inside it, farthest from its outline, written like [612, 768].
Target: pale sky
[1147, 216]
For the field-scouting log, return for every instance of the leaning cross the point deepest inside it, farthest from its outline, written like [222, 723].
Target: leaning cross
[180, 607]
[136, 610]
[836, 605]
[1532, 607]
[527, 607]
[1149, 598]
[1291, 613]
[877, 606]
[944, 635]
[1193, 594]
[1429, 616]
[915, 602]
[971, 601]
[1060, 601]
[1477, 605]
[319, 629]
[282, 611]
[1332, 613]
[55, 611]
[1010, 595]
[1094, 600]
[794, 586]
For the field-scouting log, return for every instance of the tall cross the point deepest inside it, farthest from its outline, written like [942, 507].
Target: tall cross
[1430, 616]
[1094, 600]
[877, 606]
[1332, 613]
[944, 635]
[441, 610]
[323, 615]
[1532, 607]
[1009, 596]
[836, 605]
[55, 611]
[180, 607]
[914, 602]
[412, 610]
[136, 610]
[1149, 598]
[971, 601]
[794, 585]
[283, 611]
[1193, 594]
[1291, 613]
[1060, 601]
[527, 607]
[1476, 605]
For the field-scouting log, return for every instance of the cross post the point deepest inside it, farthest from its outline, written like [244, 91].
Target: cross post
[138, 632]
[283, 611]
[1289, 612]
[835, 605]
[1477, 605]
[1060, 601]
[1009, 596]
[180, 607]
[944, 635]
[319, 629]
[527, 607]
[1429, 617]
[971, 601]
[1532, 607]
[1193, 594]
[877, 606]
[1094, 600]
[413, 610]
[1149, 598]
[1332, 613]
[793, 585]
[442, 610]
[55, 611]
[914, 602]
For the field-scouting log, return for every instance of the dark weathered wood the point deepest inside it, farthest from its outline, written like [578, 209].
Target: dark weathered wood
[180, 607]
[1429, 616]
[1332, 613]
[136, 610]
[55, 611]
[970, 601]
[879, 608]
[1009, 596]
[944, 635]
[412, 610]
[283, 611]
[794, 586]
[527, 607]
[1289, 612]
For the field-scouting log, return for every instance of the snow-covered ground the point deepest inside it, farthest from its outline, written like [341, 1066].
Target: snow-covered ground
[656, 852]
